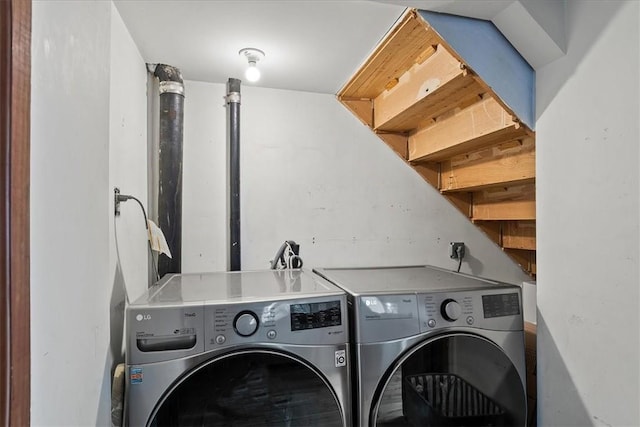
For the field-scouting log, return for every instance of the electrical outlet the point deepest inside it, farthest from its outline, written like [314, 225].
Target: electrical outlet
[116, 201]
[455, 249]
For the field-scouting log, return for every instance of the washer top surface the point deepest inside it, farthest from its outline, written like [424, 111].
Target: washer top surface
[398, 280]
[238, 286]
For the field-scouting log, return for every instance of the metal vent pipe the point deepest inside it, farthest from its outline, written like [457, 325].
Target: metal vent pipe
[169, 208]
[233, 150]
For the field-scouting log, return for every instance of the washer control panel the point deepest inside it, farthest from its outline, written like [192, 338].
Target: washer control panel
[320, 320]
[450, 310]
[245, 324]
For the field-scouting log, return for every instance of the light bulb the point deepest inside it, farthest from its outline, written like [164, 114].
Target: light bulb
[253, 73]
[252, 55]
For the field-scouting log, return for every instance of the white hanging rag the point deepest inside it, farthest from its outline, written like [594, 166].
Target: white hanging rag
[157, 239]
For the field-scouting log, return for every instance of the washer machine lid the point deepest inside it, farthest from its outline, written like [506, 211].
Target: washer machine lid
[400, 280]
[237, 286]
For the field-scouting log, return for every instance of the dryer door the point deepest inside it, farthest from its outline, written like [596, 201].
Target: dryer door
[250, 388]
[451, 380]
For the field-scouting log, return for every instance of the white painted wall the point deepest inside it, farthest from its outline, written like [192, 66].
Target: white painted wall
[588, 215]
[535, 28]
[70, 274]
[204, 188]
[88, 135]
[128, 248]
[313, 173]
[550, 15]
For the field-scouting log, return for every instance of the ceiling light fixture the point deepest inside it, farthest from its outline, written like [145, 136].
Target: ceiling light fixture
[253, 56]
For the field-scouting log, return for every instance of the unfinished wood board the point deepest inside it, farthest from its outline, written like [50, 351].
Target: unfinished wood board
[458, 93]
[526, 259]
[417, 82]
[519, 235]
[515, 202]
[426, 54]
[398, 143]
[483, 123]
[492, 229]
[361, 108]
[501, 165]
[492, 57]
[399, 50]
[462, 201]
[424, 92]
[430, 172]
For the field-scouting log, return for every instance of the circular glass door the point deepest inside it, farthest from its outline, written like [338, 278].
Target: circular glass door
[256, 388]
[452, 380]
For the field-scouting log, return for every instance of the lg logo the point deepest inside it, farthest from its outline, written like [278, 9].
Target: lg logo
[141, 317]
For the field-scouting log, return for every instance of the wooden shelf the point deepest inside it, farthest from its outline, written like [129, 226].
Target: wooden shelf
[519, 235]
[361, 108]
[482, 124]
[507, 164]
[516, 202]
[398, 143]
[516, 235]
[425, 92]
[526, 259]
[401, 48]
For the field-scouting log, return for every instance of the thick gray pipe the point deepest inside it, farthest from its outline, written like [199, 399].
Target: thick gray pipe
[170, 165]
[233, 137]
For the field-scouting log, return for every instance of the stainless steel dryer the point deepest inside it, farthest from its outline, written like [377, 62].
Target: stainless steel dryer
[240, 348]
[434, 348]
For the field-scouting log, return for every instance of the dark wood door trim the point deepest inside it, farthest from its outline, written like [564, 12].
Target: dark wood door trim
[5, 117]
[15, 147]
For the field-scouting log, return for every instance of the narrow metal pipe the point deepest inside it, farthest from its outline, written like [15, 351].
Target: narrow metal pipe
[233, 136]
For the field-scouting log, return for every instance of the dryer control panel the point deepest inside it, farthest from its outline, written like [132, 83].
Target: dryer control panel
[498, 309]
[388, 317]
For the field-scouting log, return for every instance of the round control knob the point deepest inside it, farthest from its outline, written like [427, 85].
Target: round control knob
[245, 323]
[451, 310]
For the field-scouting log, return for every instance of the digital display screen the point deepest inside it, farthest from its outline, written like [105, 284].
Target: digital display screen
[315, 315]
[500, 305]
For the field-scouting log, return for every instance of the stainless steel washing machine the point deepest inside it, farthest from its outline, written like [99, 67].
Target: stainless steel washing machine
[238, 349]
[434, 348]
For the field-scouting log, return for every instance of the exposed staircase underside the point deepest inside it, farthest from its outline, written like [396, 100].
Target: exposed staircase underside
[430, 106]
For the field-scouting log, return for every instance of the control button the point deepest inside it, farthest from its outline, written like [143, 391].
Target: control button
[451, 310]
[272, 334]
[470, 320]
[245, 323]
[431, 323]
[220, 339]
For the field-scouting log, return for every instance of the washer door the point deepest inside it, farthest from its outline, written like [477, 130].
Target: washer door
[451, 380]
[248, 389]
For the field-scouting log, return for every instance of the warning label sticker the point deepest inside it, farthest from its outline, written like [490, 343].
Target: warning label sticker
[135, 375]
